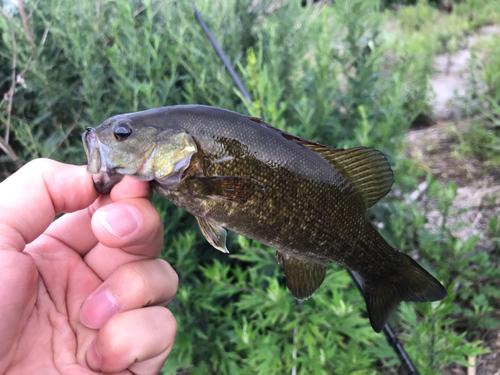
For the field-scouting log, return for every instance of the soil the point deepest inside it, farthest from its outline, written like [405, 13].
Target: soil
[477, 202]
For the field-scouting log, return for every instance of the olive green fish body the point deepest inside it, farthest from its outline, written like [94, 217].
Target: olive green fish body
[306, 207]
[306, 200]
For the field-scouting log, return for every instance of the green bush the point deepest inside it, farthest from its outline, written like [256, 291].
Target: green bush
[482, 100]
[325, 72]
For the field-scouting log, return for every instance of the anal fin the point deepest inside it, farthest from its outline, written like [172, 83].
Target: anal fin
[214, 233]
[303, 277]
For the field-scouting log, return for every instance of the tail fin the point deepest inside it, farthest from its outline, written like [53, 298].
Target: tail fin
[411, 283]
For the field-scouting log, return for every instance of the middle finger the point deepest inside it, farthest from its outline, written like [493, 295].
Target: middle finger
[132, 286]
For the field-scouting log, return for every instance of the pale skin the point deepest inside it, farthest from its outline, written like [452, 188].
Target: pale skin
[83, 294]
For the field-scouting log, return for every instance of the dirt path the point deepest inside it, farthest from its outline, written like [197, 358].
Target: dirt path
[437, 148]
[452, 75]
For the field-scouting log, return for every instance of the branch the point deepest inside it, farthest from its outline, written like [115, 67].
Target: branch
[22, 13]
[11, 91]
[66, 135]
[10, 153]
[97, 8]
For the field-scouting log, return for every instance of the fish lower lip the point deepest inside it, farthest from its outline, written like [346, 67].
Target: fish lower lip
[104, 182]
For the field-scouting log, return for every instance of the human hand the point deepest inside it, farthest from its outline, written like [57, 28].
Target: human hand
[82, 294]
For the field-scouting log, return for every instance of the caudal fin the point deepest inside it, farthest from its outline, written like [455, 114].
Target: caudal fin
[410, 283]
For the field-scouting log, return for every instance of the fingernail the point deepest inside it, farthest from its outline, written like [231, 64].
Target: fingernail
[98, 308]
[96, 358]
[120, 221]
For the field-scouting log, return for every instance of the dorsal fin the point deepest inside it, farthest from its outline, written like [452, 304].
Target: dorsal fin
[365, 168]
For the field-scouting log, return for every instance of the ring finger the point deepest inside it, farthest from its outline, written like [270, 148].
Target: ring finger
[138, 340]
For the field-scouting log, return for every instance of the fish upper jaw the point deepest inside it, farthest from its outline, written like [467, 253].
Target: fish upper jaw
[97, 155]
[90, 141]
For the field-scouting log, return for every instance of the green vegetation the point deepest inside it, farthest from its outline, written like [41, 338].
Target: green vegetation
[341, 74]
[482, 100]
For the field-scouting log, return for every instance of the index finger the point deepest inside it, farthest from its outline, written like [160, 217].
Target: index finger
[32, 197]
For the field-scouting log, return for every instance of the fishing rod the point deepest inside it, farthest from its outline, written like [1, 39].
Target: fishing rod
[391, 337]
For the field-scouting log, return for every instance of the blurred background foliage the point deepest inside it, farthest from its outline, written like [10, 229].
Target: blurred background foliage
[341, 73]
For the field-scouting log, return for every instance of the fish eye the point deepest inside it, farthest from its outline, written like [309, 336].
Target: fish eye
[122, 131]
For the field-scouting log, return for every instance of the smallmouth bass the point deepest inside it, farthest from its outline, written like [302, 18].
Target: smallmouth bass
[304, 199]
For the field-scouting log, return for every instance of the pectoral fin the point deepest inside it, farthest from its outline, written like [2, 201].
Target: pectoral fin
[303, 277]
[227, 188]
[214, 233]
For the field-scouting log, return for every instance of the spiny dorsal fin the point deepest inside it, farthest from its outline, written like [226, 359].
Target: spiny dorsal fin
[303, 277]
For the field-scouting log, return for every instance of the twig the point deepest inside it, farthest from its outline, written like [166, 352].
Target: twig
[294, 352]
[143, 8]
[12, 87]
[44, 37]
[22, 13]
[32, 9]
[97, 8]
[10, 153]
[471, 370]
[5, 55]
[19, 76]
[66, 135]
[295, 334]
[139, 11]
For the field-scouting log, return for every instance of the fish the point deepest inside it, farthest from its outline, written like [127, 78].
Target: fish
[306, 200]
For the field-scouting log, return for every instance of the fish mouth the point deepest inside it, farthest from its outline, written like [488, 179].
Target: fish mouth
[97, 155]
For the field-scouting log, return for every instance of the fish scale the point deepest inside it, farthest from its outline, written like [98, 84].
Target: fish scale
[304, 199]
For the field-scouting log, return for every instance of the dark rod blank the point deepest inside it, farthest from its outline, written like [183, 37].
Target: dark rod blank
[222, 56]
[392, 339]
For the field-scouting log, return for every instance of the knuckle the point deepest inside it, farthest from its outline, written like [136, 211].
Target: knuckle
[171, 319]
[173, 278]
[166, 323]
[135, 276]
[40, 164]
[111, 339]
